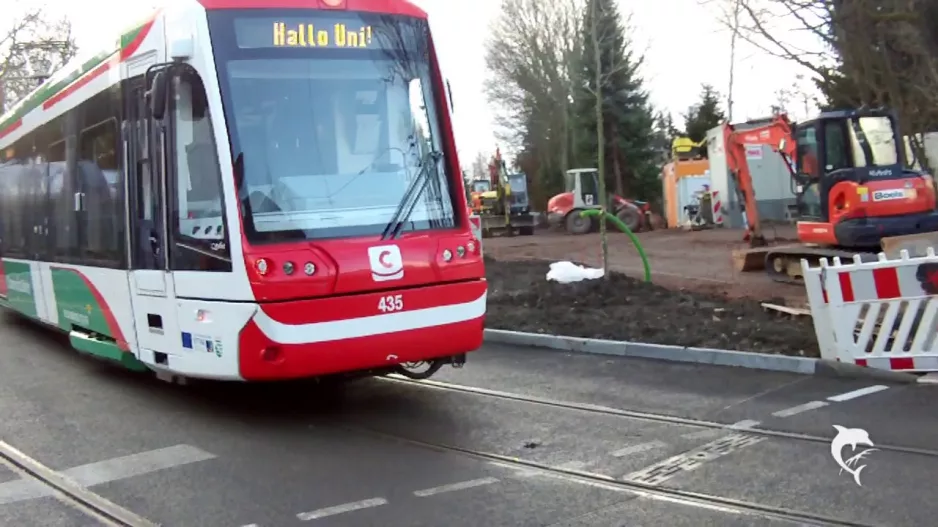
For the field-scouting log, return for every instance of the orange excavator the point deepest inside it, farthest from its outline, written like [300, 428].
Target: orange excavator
[853, 191]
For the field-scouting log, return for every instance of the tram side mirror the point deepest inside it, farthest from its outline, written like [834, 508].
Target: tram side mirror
[157, 95]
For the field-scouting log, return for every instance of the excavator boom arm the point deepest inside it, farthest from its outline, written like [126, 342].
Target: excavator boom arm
[778, 135]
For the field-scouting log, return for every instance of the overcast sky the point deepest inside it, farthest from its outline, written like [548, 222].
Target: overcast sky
[685, 46]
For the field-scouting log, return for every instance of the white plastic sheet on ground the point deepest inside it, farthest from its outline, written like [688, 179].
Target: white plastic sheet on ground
[569, 272]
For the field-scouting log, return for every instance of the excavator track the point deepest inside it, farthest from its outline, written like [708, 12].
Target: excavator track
[784, 263]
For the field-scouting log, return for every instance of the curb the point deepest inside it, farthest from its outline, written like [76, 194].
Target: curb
[716, 357]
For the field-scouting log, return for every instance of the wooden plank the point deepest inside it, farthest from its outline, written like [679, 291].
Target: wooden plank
[787, 310]
[916, 244]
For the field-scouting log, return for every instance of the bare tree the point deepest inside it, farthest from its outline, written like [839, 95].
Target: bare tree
[33, 46]
[872, 52]
[479, 167]
[608, 62]
[794, 30]
[532, 48]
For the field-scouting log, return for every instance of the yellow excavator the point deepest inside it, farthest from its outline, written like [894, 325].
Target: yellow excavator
[506, 207]
[683, 148]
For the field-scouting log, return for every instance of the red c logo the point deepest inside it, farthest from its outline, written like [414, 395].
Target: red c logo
[382, 259]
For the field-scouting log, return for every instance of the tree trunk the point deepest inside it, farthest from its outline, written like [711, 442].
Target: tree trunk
[565, 134]
[600, 141]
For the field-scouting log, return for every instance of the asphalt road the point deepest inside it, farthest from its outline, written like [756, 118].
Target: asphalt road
[360, 454]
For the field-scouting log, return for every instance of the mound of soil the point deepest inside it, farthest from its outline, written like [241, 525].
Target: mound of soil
[623, 308]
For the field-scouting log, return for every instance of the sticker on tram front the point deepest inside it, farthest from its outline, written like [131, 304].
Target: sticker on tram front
[386, 263]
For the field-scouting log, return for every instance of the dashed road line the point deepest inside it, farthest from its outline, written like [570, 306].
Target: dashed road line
[801, 408]
[639, 448]
[462, 485]
[341, 509]
[857, 393]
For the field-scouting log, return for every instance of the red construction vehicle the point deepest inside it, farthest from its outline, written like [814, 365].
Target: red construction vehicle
[851, 185]
[582, 193]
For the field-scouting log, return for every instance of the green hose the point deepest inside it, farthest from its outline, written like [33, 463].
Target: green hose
[624, 228]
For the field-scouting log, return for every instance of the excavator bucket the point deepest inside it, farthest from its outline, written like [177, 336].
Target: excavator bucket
[916, 244]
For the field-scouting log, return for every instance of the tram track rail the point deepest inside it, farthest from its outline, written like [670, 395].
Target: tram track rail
[658, 492]
[639, 415]
[70, 492]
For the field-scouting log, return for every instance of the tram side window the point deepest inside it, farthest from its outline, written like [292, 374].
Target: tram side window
[16, 227]
[99, 170]
[62, 202]
[36, 190]
[201, 238]
[8, 171]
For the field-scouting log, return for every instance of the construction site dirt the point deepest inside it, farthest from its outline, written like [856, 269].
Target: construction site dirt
[696, 299]
[681, 260]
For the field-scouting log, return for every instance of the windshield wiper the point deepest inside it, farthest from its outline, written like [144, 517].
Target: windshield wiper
[412, 194]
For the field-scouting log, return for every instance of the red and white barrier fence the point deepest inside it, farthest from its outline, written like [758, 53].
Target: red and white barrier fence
[716, 204]
[878, 314]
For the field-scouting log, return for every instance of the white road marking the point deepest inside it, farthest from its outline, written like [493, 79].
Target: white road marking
[692, 459]
[341, 509]
[745, 424]
[706, 433]
[136, 464]
[710, 432]
[857, 393]
[639, 448]
[463, 485]
[107, 471]
[801, 408]
[519, 472]
[22, 490]
[575, 465]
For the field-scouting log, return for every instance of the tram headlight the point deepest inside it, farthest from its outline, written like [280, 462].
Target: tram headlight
[447, 255]
[461, 251]
[288, 268]
[262, 266]
[309, 269]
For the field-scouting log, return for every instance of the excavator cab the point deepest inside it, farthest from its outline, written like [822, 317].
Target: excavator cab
[584, 184]
[481, 185]
[851, 185]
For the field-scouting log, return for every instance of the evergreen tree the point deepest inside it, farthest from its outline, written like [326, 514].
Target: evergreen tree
[628, 131]
[705, 115]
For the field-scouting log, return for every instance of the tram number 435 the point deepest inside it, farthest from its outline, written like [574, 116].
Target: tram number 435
[391, 303]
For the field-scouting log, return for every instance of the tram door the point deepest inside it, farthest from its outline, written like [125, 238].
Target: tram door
[151, 282]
